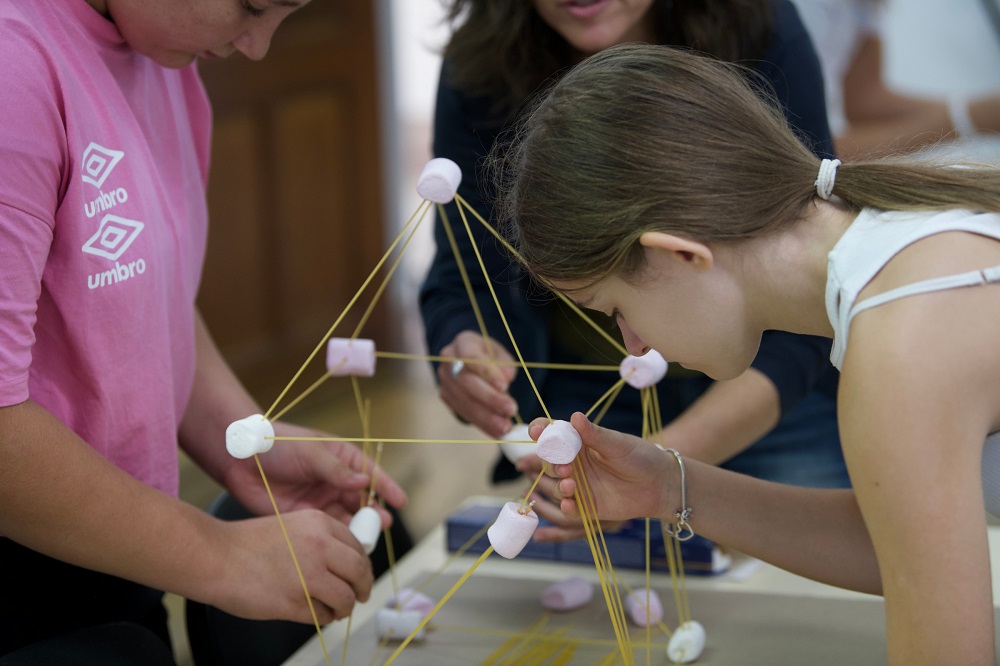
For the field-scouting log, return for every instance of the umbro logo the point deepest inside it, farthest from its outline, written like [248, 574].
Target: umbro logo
[113, 237]
[98, 163]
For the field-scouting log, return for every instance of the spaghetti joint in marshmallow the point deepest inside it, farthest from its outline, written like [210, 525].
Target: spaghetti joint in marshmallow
[439, 180]
[686, 643]
[250, 436]
[512, 530]
[559, 443]
[643, 371]
[350, 356]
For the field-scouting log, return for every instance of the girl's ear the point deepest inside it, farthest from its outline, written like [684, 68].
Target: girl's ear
[691, 253]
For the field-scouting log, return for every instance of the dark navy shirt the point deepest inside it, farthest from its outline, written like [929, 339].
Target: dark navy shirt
[465, 129]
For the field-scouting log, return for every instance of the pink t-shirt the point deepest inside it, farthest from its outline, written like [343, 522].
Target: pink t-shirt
[103, 164]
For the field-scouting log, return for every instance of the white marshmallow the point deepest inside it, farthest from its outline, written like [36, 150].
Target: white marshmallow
[439, 180]
[411, 600]
[568, 594]
[512, 530]
[249, 436]
[396, 625]
[686, 643]
[635, 604]
[366, 526]
[517, 444]
[346, 356]
[643, 371]
[559, 443]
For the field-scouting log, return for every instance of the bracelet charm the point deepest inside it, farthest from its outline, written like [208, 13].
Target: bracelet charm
[682, 531]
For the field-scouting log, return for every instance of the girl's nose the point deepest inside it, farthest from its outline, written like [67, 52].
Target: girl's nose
[633, 343]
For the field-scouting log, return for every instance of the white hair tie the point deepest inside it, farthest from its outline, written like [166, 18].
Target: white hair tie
[826, 178]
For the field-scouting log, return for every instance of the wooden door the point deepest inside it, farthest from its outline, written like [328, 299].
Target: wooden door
[294, 193]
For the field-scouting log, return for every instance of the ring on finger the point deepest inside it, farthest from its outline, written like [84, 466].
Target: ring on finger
[456, 368]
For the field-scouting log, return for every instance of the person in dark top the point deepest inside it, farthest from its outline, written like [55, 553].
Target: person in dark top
[778, 420]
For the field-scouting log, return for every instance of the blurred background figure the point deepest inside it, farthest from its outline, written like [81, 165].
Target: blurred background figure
[909, 76]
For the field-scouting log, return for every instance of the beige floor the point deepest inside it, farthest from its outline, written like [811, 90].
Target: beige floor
[437, 477]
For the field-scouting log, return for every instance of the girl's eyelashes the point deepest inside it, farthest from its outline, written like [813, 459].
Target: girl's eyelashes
[252, 10]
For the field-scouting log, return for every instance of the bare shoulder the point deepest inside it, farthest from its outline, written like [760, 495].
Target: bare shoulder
[943, 345]
[939, 255]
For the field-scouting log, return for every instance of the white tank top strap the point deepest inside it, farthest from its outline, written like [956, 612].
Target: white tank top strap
[969, 279]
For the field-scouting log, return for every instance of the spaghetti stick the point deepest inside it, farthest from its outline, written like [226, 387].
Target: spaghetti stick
[425, 206]
[573, 306]
[446, 597]
[295, 560]
[508, 364]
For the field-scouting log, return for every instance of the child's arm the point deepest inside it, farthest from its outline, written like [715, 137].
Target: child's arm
[919, 395]
[59, 497]
[727, 419]
[812, 532]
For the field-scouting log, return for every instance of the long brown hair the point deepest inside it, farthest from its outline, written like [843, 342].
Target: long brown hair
[504, 50]
[640, 138]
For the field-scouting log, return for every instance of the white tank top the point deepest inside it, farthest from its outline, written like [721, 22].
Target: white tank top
[869, 243]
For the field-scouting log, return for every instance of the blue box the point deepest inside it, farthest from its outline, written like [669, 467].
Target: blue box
[626, 547]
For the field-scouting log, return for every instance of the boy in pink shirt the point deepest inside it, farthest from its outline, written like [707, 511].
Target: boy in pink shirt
[104, 362]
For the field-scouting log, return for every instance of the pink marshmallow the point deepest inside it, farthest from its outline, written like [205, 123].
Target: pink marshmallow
[512, 530]
[643, 371]
[568, 594]
[347, 356]
[635, 604]
[411, 600]
[439, 180]
[559, 443]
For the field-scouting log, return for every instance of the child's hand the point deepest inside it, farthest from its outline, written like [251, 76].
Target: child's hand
[332, 476]
[477, 392]
[259, 579]
[627, 476]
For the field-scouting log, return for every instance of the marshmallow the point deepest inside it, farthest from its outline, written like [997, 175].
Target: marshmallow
[559, 443]
[643, 371]
[346, 356]
[409, 599]
[396, 625]
[635, 604]
[686, 643]
[366, 525]
[517, 444]
[249, 436]
[568, 594]
[439, 180]
[512, 530]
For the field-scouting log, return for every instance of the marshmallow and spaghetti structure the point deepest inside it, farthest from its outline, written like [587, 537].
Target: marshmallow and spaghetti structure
[355, 357]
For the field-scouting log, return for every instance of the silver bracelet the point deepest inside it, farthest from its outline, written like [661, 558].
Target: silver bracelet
[682, 531]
